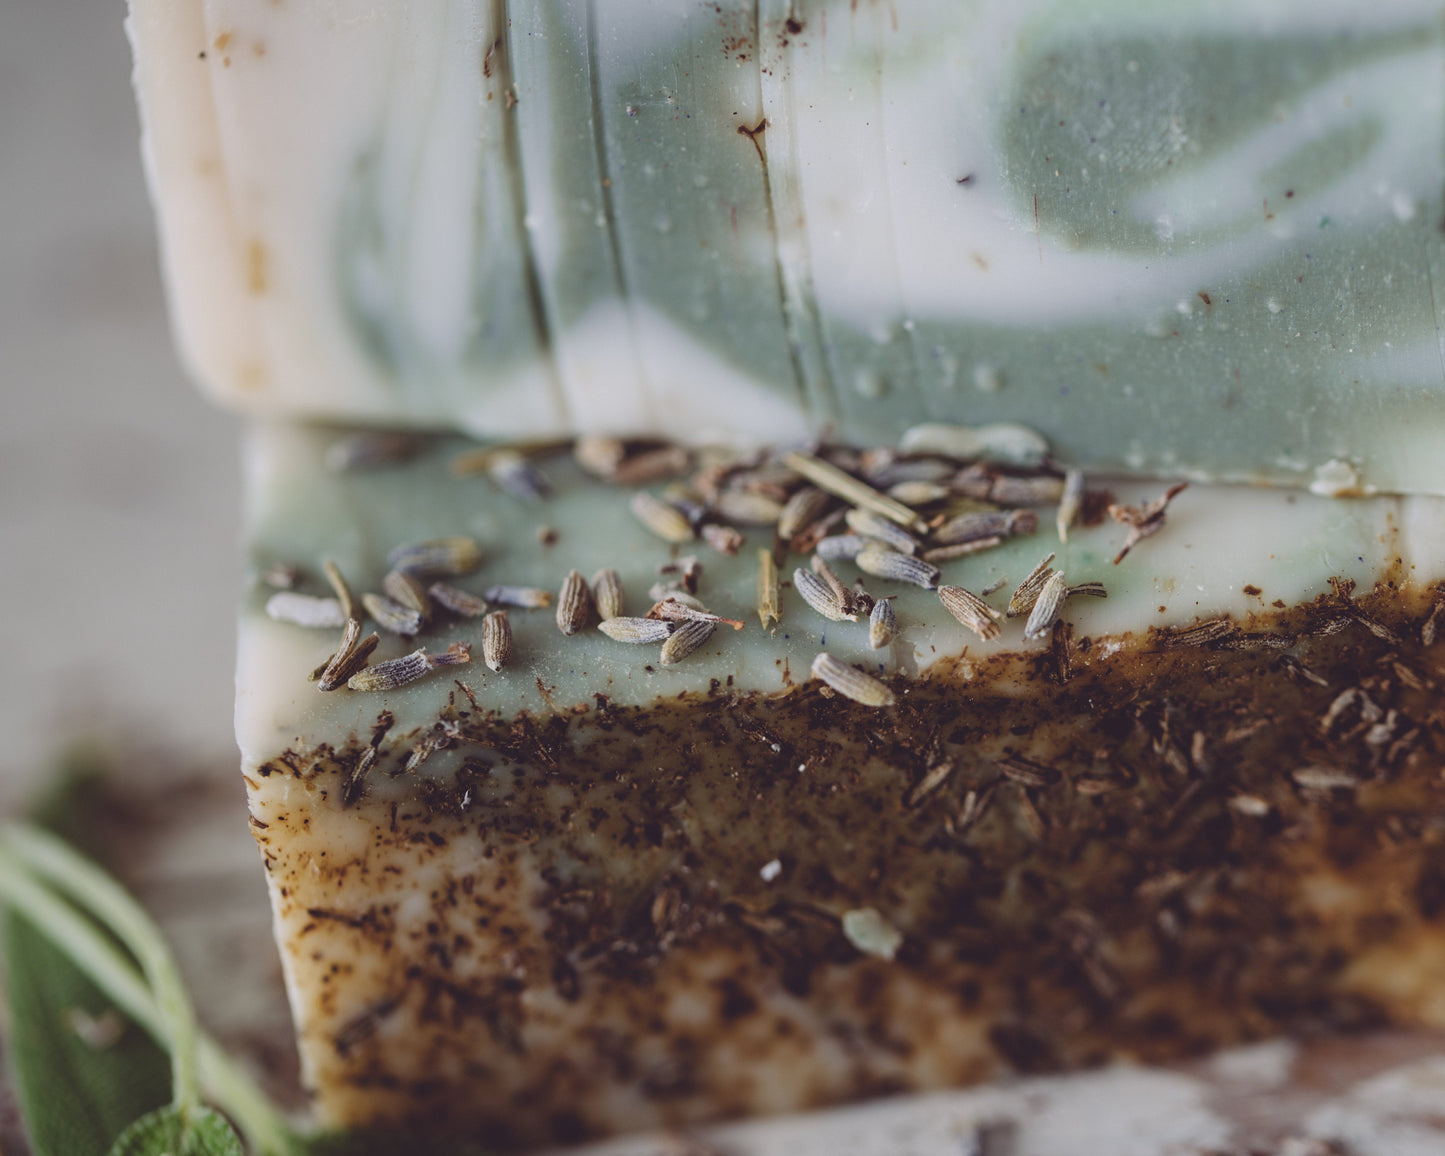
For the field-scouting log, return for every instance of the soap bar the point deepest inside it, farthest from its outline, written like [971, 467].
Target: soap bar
[592, 891]
[1201, 243]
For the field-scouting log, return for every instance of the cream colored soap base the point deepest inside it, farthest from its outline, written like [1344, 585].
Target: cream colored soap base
[611, 895]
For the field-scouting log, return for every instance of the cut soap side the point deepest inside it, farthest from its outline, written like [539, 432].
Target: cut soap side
[1201, 245]
[565, 919]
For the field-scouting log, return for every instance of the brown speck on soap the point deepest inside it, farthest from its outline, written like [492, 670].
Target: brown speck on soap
[752, 134]
[257, 262]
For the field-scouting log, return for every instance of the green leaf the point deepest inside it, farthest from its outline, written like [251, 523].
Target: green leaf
[172, 1132]
[76, 1095]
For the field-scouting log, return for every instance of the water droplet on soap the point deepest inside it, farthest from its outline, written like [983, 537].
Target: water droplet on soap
[663, 224]
[947, 367]
[700, 181]
[1335, 479]
[870, 383]
[987, 378]
[1273, 305]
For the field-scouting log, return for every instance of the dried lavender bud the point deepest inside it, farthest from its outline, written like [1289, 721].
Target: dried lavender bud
[851, 682]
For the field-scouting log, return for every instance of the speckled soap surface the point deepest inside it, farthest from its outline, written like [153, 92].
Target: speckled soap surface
[590, 893]
[1197, 239]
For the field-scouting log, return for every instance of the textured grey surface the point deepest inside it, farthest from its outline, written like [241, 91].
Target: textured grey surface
[118, 485]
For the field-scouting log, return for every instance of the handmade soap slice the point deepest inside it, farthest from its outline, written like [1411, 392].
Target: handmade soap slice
[1200, 243]
[595, 890]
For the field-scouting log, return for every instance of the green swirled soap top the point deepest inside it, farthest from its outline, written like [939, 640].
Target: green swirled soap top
[1197, 241]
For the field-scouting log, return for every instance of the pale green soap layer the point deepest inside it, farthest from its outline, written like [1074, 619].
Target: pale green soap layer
[1190, 240]
[1218, 539]
[381, 293]
[687, 186]
[1294, 356]
[1311, 347]
[562, 172]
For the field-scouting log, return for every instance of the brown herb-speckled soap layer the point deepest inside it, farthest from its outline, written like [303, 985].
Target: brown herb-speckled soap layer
[565, 928]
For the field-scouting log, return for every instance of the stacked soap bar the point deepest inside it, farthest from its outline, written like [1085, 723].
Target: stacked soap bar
[597, 881]
[627, 784]
[1195, 241]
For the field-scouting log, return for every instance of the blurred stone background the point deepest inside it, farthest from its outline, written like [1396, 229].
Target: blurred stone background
[119, 524]
[118, 484]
